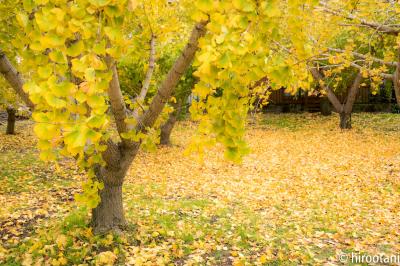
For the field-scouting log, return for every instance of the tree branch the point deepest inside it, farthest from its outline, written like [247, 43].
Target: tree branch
[14, 79]
[146, 83]
[351, 97]
[331, 96]
[116, 99]
[174, 75]
[374, 25]
[377, 60]
[383, 75]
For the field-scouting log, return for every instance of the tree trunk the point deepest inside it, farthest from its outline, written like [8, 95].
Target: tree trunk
[166, 129]
[345, 120]
[109, 214]
[10, 121]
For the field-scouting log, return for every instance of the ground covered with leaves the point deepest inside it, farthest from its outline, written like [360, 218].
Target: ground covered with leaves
[306, 193]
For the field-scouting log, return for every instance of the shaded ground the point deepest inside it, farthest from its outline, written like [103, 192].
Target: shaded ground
[307, 193]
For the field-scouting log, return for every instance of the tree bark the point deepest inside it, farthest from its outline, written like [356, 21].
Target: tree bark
[10, 121]
[117, 102]
[345, 120]
[330, 94]
[109, 214]
[345, 115]
[396, 80]
[166, 129]
[146, 83]
[14, 78]
[168, 85]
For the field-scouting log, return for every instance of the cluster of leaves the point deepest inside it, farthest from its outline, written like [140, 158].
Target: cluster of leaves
[69, 52]
[238, 51]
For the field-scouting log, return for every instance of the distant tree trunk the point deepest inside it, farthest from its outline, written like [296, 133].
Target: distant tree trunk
[11, 121]
[166, 129]
[345, 120]
[345, 115]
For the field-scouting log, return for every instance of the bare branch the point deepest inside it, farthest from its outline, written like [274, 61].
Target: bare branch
[377, 60]
[374, 25]
[146, 83]
[331, 96]
[383, 75]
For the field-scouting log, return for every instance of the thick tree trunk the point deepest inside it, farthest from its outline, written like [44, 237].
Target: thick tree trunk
[109, 214]
[166, 129]
[10, 121]
[345, 120]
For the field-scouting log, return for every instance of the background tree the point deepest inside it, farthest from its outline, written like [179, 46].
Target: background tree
[348, 37]
[376, 23]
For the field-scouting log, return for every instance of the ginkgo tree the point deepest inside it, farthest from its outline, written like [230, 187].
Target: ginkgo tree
[355, 36]
[70, 50]
[74, 46]
[378, 32]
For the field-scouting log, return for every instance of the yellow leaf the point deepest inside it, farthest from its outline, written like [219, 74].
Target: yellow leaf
[133, 4]
[105, 258]
[61, 241]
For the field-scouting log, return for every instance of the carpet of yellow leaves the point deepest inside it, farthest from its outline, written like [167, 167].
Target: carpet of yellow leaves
[307, 193]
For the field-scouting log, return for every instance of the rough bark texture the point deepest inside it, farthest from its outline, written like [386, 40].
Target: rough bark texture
[10, 121]
[109, 214]
[117, 103]
[14, 78]
[345, 115]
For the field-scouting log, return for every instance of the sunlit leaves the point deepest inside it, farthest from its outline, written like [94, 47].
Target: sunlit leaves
[236, 53]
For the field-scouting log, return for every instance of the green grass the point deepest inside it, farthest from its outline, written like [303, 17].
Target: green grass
[385, 122]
